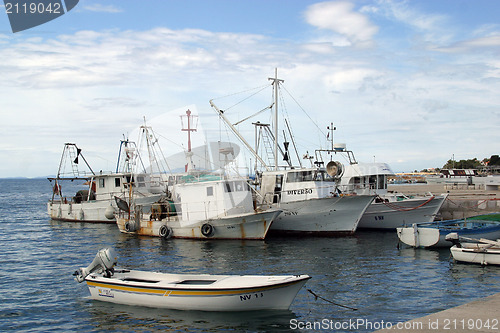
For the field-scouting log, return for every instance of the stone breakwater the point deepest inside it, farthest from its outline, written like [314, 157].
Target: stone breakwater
[462, 201]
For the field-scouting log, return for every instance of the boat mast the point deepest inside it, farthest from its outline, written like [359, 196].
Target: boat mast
[189, 154]
[276, 83]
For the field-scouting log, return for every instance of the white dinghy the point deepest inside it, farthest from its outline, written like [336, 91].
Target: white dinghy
[478, 251]
[201, 292]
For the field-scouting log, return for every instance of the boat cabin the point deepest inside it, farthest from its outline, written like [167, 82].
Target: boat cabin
[212, 199]
[366, 178]
[296, 185]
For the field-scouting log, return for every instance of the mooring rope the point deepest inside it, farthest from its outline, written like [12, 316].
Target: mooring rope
[316, 296]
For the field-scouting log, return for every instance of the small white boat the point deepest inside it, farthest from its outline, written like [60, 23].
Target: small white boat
[201, 292]
[480, 251]
[434, 234]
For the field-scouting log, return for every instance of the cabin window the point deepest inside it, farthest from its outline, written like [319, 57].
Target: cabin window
[300, 176]
[102, 183]
[381, 182]
[228, 187]
[117, 182]
[210, 191]
[140, 180]
[373, 182]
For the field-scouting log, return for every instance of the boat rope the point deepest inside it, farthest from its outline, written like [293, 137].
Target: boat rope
[474, 206]
[405, 209]
[316, 296]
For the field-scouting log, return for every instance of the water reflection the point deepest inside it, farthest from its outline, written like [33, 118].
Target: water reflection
[125, 318]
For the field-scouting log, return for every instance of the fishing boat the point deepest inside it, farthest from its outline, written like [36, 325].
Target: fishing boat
[196, 205]
[308, 196]
[389, 209]
[478, 251]
[216, 209]
[201, 292]
[311, 202]
[434, 234]
[93, 200]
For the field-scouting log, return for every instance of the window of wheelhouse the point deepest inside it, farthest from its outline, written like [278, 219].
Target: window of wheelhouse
[117, 182]
[102, 182]
[382, 183]
[210, 191]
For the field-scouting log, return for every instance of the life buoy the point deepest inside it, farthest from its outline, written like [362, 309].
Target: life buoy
[207, 230]
[165, 231]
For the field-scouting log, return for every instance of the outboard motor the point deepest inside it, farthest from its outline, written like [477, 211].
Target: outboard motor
[454, 238]
[105, 260]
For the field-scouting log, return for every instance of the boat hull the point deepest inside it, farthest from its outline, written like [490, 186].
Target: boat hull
[476, 254]
[380, 215]
[326, 216]
[202, 293]
[434, 234]
[243, 226]
[94, 212]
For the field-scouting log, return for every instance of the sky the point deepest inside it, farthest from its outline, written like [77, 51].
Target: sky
[408, 83]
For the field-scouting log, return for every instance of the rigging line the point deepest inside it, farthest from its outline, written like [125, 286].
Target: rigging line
[212, 164]
[232, 106]
[304, 111]
[258, 112]
[241, 92]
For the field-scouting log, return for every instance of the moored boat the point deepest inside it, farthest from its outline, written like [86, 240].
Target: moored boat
[388, 210]
[217, 209]
[201, 292]
[308, 196]
[478, 251]
[434, 234]
[94, 198]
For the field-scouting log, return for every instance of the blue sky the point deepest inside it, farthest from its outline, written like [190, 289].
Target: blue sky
[409, 83]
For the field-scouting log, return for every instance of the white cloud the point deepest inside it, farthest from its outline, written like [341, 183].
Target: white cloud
[341, 18]
[91, 87]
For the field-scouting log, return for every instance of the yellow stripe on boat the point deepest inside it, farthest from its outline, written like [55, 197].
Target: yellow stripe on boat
[184, 292]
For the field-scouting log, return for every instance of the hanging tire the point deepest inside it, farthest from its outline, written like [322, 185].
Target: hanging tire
[207, 230]
[130, 226]
[165, 232]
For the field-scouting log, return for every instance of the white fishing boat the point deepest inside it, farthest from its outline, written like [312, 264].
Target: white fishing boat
[388, 210]
[433, 234]
[308, 196]
[94, 197]
[196, 205]
[216, 209]
[311, 202]
[201, 292]
[478, 251]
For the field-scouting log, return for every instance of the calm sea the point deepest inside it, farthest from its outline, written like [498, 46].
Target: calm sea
[366, 271]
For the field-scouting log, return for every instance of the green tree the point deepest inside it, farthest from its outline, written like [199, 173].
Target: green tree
[463, 164]
[494, 160]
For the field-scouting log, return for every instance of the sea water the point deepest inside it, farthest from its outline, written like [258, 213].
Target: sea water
[366, 271]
